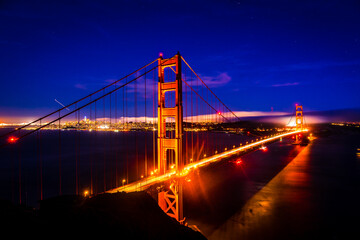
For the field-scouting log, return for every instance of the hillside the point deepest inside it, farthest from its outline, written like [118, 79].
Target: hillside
[120, 215]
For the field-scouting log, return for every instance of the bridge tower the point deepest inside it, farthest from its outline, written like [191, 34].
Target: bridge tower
[299, 117]
[170, 199]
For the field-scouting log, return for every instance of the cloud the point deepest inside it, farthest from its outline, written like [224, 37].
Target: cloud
[285, 84]
[80, 86]
[258, 113]
[220, 80]
[211, 81]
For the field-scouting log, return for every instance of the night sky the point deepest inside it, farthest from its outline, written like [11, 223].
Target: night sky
[261, 54]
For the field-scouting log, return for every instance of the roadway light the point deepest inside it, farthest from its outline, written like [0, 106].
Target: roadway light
[12, 139]
[86, 193]
[123, 181]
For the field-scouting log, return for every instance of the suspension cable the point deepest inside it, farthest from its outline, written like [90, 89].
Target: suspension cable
[79, 100]
[209, 88]
[87, 104]
[200, 96]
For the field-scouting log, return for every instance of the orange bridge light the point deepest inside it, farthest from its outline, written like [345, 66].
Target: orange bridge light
[12, 139]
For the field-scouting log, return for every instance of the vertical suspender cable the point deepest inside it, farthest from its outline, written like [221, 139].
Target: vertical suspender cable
[76, 151]
[126, 114]
[116, 142]
[153, 130]
[19, 162]
[103, 136]
[96, 159]
[91, 155]
[110, 143]
[135, 121]
[145, 172]
[60, 187]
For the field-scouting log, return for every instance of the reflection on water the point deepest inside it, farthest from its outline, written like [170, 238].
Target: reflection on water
[51, 162]
[221, 190]
[259, 210]
[289, 192]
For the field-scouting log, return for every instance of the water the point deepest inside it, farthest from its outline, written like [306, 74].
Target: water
[288, 192]
[53, 162]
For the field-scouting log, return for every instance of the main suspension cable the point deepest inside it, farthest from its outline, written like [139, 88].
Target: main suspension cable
[79, 100]
[210, 89]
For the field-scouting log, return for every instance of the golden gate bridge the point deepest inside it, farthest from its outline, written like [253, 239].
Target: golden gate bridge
[150, 127]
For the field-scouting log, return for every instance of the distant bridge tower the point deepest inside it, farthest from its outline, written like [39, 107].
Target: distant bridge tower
[299, 117]
[170, 199]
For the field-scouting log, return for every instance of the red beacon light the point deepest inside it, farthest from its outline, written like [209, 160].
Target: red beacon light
[219, 113]
[12, 139]
[238, 162]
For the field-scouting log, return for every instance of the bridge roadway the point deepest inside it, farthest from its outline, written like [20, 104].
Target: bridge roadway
[144, 183]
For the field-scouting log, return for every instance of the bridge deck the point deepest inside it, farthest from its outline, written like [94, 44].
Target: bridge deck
[146, 182]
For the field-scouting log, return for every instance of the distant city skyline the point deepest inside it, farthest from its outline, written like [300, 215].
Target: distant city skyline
[259, 56]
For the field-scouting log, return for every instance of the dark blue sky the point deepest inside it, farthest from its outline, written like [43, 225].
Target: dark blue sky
[263, 53]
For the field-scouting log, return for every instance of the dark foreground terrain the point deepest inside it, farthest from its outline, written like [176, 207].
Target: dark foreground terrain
[120, 215]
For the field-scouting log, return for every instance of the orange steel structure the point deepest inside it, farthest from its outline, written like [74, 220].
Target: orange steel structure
[170, 198]
[299, 120]
[299, 117]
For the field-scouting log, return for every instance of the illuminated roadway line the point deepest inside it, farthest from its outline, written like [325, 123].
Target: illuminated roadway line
[146, 182]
